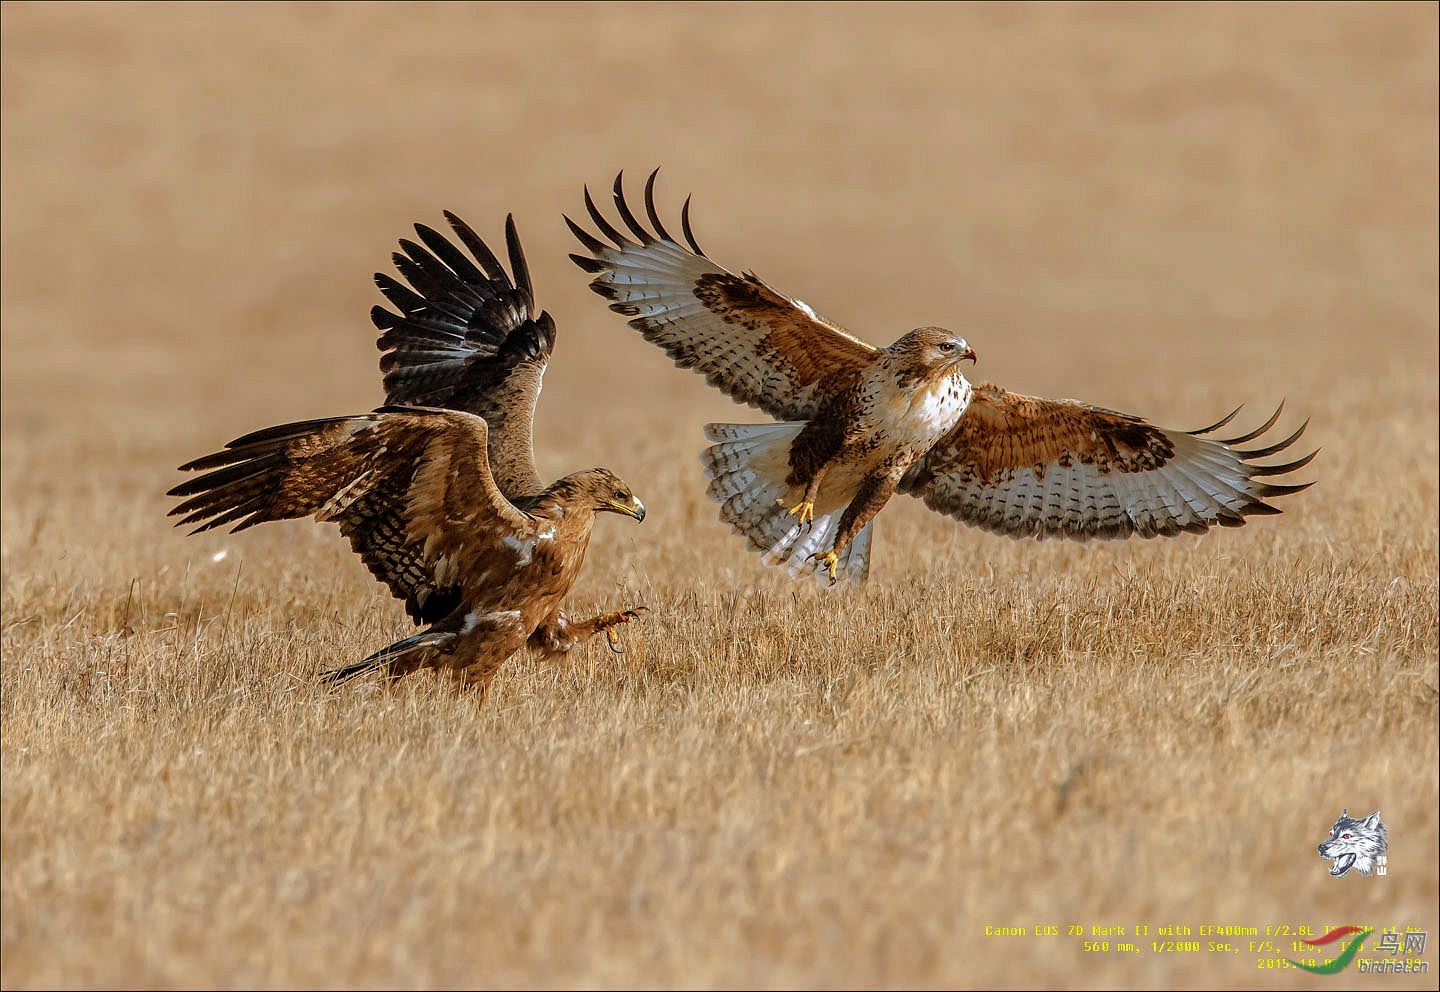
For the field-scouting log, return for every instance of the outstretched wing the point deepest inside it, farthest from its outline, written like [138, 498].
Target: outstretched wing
[410, 487]
[753, 342]
[466, 338]
[1029, 467]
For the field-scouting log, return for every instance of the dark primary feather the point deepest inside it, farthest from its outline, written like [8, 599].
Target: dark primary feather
[464, 336]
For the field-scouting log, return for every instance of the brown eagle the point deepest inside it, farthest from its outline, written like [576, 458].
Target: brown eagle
[437, 491]
[858, 423]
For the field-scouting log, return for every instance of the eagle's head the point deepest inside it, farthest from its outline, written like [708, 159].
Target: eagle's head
[605, 492]
[927, 351]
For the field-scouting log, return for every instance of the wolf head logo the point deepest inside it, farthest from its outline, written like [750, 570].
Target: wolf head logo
[1355, 844]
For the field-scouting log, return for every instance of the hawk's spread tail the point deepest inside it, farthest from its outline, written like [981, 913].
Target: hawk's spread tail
[460, 640]
[747, 469]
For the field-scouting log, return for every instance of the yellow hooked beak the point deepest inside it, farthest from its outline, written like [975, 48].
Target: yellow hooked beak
[634, 508]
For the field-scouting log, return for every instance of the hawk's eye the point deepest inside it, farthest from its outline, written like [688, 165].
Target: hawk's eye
[621, 494]
[1344, 836]
[947, 346]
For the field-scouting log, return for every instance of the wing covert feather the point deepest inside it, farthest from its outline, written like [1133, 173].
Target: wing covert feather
[1030, 467]
[410, 487]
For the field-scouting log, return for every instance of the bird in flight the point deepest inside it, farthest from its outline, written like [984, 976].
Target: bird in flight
[856, 424]
[437, 490]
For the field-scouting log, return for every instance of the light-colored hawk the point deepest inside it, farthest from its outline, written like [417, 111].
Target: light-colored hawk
[856, 423]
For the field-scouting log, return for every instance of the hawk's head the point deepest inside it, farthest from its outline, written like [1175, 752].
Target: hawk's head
[605, 492]
[926, 351]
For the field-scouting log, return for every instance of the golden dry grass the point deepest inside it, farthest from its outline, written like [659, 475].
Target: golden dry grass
[1167, 210]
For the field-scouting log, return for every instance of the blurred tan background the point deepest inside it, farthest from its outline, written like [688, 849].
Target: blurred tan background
[1163, 209]
[1138, 205]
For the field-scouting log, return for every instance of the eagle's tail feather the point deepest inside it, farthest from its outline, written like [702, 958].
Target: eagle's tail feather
[748, 468]
[489, 638]
[400, 658]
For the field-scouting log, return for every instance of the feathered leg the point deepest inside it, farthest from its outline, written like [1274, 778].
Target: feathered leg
[558, 634]
[874, 493]
[805, 509]
[476, 678]
[471, 645]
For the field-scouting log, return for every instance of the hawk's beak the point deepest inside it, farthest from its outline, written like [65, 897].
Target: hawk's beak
[955, 360]
[634, 508]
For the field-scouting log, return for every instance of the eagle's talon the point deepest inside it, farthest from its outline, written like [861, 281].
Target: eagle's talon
[829, 560]
[610, 621]
[805, 510]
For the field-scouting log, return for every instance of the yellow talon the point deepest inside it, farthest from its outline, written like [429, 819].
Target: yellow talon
[829, 561]
[805, 510]
[610, 621]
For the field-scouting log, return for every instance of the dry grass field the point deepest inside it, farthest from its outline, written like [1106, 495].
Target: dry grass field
[1168, 210]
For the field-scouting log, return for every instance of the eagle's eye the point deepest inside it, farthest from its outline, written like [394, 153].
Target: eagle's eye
[621, 494]
[947, 346]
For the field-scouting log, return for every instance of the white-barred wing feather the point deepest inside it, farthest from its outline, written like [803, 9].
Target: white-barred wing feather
[1029, 467]
[749, 340]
